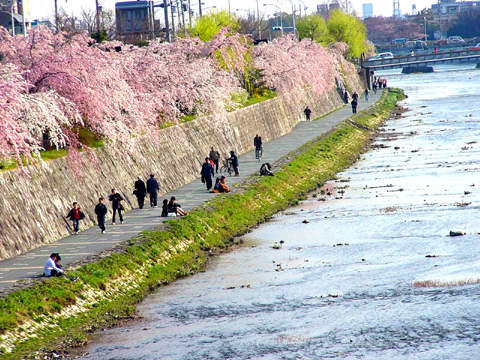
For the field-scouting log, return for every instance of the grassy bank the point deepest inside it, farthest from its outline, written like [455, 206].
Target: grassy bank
[55, 310]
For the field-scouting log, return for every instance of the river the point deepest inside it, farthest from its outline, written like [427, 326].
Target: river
[373, 275]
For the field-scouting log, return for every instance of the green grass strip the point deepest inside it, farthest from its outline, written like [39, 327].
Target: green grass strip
[109, 289]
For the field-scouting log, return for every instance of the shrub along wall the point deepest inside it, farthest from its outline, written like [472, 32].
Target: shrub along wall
[32, 208]
[109, 288]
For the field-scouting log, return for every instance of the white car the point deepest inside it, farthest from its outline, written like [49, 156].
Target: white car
[387, 55]
[455, 40]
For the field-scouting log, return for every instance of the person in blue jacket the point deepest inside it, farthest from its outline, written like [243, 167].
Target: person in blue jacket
[207, 172]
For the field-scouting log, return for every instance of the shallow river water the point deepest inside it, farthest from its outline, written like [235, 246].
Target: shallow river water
[370, 298]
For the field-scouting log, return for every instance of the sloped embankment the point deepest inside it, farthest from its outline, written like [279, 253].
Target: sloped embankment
[54, 315]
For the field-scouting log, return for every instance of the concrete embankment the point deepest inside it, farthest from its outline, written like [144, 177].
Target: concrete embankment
[32, 208]
[110, 287]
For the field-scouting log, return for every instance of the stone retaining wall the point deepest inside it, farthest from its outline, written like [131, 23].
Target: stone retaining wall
[32, 209]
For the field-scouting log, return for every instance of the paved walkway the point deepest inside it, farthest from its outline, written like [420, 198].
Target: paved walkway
[91, 241]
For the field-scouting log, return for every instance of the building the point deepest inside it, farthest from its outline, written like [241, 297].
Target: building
[446, 12]
[367, 10]
[19, 11]
[325, 8]
[453, 7]
[134, 17]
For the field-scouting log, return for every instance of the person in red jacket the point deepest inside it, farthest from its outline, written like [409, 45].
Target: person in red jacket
[76, 215]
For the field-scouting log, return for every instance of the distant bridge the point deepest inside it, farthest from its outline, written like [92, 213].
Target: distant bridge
[421, 61]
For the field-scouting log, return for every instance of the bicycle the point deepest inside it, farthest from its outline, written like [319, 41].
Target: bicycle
[259, 153]
[227, 168]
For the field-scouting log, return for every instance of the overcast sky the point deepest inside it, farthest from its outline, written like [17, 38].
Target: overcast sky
[42, 8]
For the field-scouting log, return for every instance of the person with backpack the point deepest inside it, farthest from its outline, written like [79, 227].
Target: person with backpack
[76, 215]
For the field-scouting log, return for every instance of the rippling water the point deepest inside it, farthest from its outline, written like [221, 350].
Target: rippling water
[343, 285]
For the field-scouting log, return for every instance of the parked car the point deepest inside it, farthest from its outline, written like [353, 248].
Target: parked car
[474, 40]
[399, 41]
[441, 42]
[381, 56]
[477, 47]
[455, 40]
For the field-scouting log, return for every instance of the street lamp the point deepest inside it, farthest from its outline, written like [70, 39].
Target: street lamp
[258, 20]
[293, 16]
[304, 8]
[425, 27]
[210, 7]
[280, 11]
[199, 8]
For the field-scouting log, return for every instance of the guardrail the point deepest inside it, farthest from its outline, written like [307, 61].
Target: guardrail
[423, 59]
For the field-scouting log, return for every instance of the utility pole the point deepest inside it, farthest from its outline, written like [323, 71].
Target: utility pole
[200, 9]
[98, 16]
[167, 29]
[56, 16]
[173, 20]
[13, 19]
[440, 18]
[258, 20]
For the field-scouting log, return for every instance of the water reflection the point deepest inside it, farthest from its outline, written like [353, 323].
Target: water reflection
[341, 286]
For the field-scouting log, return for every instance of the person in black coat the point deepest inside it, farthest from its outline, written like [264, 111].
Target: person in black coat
[207, 172]
[116, 199]
[235, 163]
[152, 188]
[101, 211]
[354, 106]
[257, 142]
[140, 192]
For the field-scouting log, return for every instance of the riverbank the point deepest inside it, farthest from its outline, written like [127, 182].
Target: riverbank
[110, 287]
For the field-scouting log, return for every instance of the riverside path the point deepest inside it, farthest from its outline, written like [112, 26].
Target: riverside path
[91, 241]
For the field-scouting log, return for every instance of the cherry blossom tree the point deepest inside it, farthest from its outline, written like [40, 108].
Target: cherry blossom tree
[290, 66]
[54, 83]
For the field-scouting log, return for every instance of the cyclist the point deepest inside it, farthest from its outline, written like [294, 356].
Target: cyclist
[257, 141]
[233, 159]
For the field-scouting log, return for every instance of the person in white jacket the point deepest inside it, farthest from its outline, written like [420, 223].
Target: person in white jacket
[51, 268]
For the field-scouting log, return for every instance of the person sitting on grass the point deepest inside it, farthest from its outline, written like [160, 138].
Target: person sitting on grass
[165, 208]
[176, 208]
[265, 170]
[220, 186]
[52, 269]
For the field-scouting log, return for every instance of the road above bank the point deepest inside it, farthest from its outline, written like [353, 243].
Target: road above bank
[91, 241]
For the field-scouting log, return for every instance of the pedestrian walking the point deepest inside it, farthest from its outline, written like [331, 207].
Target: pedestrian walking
[354, 106]
[116, 200]
[355, 96]
[234, 161]
[384, 83]
[307, 112]
[215, 157]
[76, 215]
[375, 87]
[140, 192]
[101, 211]
[367, 95]
[257, 142]
[152, 188]
[435, 51]
[346, 96]
[207, 172]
